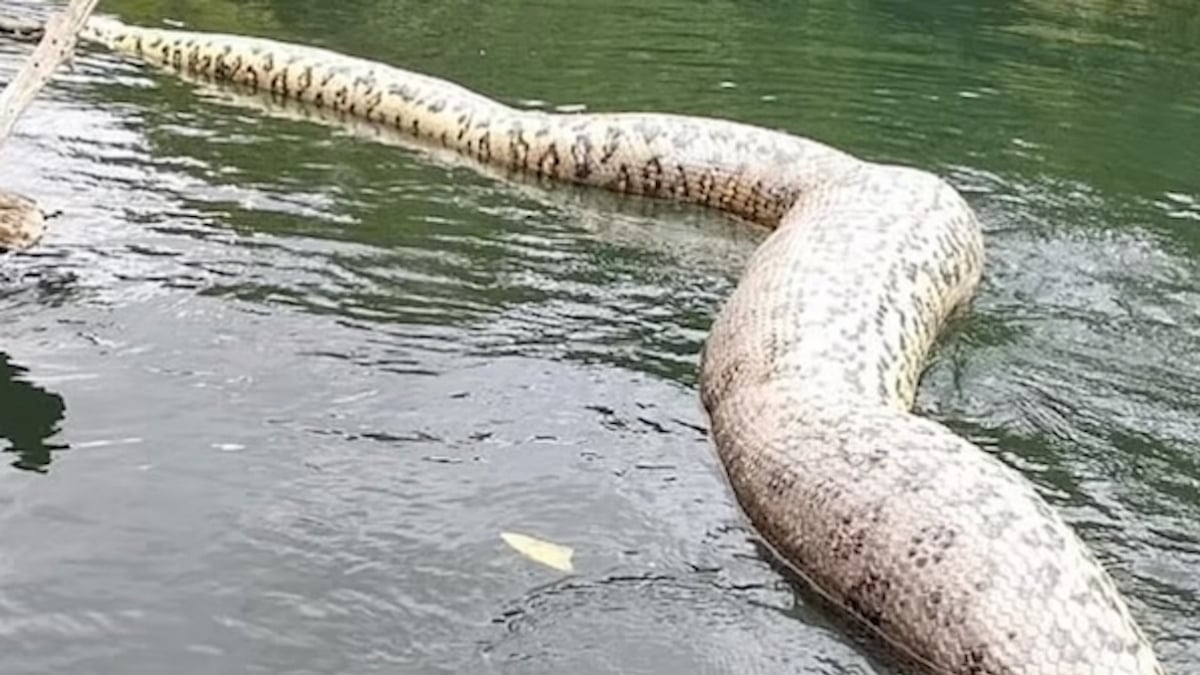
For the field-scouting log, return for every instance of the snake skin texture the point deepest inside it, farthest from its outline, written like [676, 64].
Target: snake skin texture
[811, 367]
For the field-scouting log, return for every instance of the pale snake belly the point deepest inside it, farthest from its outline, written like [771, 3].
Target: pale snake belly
[811, 367]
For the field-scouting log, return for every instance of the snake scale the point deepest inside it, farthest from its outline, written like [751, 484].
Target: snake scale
[811, 367]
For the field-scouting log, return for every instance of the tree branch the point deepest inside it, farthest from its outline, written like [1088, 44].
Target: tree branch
[58, 41]
[21, 222]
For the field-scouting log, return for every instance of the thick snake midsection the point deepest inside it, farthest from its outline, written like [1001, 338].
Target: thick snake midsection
[812, 365]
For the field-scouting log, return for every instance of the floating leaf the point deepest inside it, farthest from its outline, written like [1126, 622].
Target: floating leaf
[544, 552]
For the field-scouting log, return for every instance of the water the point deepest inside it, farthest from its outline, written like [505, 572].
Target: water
[271, 389]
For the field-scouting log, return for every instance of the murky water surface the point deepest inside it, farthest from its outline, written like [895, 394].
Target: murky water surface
[272, 388]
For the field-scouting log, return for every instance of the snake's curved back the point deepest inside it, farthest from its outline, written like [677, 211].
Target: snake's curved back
[811, 367]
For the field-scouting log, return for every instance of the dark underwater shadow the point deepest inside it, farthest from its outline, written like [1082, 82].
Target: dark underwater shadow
[29, 417]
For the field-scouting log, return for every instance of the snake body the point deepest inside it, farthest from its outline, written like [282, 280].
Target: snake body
[811, 367]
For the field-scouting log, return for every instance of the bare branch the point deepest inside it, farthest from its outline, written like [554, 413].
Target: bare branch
[21, 222]
[58, 41]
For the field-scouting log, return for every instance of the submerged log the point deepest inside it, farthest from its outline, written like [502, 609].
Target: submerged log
[21, 222]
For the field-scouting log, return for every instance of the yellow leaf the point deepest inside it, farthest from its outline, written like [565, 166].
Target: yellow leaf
[544, 552]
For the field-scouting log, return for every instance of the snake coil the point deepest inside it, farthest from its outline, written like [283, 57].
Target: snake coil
[811, 367]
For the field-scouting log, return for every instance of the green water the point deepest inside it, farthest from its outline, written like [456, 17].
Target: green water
[271, 389]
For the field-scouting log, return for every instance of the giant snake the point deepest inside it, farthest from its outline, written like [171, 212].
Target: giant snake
[810, 370]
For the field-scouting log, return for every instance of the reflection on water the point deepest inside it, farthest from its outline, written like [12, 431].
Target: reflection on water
[315, 369]
[29, 417]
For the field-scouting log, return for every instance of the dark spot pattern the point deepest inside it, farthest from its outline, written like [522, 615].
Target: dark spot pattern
[810, 369]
